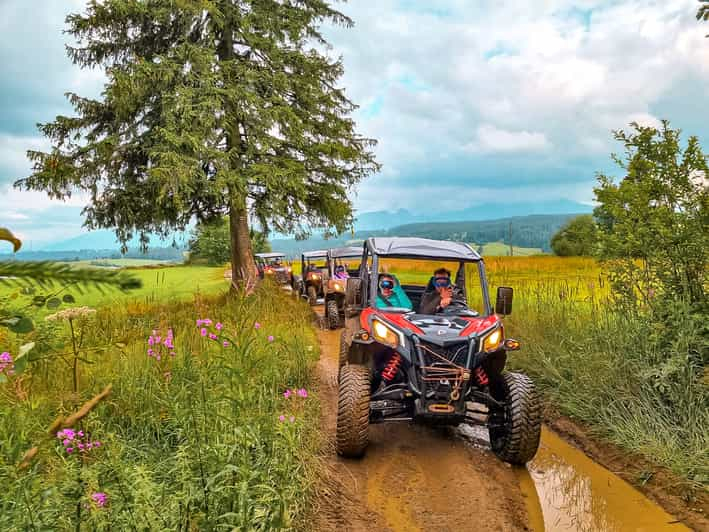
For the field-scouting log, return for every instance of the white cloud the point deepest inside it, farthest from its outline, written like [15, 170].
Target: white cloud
[490, 139]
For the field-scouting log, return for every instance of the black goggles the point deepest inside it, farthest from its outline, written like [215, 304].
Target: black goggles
[386, 284]
[442, 282]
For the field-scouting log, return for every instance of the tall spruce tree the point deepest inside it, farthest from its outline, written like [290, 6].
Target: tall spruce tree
[211, 107]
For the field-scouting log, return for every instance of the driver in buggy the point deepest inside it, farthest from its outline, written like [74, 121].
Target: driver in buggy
[440, 293]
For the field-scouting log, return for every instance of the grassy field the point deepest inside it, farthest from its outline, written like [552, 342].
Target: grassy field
[118, 263]
[159, 284]
[196, 432]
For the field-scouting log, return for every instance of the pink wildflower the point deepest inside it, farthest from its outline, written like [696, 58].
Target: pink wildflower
[257, 325]
[281, 418]
[203, 332]
[270, 338]
[97, 444]
[302, 392]
[151, 341]
[287, 393]
[219, 326]
[207, 321]
[225, 343]
[100, 499]
[212, 336]
[69, 450]
[172, 353]
[150, 352]
[291, 419]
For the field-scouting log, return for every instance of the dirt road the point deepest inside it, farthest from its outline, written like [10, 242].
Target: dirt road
[413, 477]
[421, 478]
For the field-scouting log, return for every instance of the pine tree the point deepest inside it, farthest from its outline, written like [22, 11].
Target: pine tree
[211, 107]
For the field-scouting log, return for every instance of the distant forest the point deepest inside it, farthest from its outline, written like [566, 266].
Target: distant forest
[163, 253]
[533, 231]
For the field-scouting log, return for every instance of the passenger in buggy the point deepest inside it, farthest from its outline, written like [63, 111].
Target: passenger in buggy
[341, 272]
[390, 293]
[440, 293]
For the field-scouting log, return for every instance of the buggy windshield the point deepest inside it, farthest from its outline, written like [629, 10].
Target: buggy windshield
[415, 277]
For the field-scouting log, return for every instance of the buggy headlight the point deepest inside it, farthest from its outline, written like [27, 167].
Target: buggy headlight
[383, 333]
[492, 340]
[337, 287]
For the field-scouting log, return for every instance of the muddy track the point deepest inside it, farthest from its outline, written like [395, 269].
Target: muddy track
[421, 478]
[412, 477]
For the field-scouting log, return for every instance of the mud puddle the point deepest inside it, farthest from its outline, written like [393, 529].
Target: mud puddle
[567, 491]
[573, 492]
[419, 478]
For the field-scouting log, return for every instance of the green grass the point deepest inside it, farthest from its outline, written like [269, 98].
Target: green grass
[159, 285]
[121, 263]
[200, 447]
[499, 249]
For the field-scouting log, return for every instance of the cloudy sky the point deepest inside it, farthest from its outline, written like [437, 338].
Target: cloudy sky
[470, 100]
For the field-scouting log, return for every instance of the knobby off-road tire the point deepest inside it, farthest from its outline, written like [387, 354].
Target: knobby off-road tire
[333, 314]
[353, 411]
[515, 439]
[312, 295]
[344, 350]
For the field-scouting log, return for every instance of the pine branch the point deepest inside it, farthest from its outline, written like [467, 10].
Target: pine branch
[44, 273]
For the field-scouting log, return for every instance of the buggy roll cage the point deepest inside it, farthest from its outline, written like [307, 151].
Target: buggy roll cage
[420, 248]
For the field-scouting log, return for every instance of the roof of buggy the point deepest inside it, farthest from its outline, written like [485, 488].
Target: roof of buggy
[271, 255]
[422, 248]
[314, 254]
[350, 251]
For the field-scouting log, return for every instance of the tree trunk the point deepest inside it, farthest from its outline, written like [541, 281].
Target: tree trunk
[243, 268]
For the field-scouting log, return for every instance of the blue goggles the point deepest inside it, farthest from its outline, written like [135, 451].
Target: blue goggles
[386, 284]
[442, 282]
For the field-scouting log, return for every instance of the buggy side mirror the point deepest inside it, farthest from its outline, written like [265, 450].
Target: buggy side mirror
[503, 304]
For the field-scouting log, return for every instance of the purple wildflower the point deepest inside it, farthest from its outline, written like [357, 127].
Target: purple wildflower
[203, 332]
[212, 336]
[97, 444]
[287, 393]
[225, 343]
[69, 450]
[270, 338]
[5, 362]
[100, 499]
[302, 392]
[281, 418]
[219, 326]
[257, 325]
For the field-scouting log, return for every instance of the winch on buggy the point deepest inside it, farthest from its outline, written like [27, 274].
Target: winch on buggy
[423, 343]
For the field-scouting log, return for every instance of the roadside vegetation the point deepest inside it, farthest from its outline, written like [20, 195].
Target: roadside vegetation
[200, 417]
[626, 350]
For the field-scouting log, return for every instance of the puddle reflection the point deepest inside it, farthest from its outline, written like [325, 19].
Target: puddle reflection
[572, 492]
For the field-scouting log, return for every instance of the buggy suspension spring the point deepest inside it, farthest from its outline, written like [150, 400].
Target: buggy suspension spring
[392, 367]
[481, 376]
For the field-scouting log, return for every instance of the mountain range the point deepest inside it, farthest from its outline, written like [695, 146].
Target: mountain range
[104, 239]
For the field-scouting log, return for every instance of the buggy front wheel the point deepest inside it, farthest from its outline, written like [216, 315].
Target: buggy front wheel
[353, 411]
[515, 428]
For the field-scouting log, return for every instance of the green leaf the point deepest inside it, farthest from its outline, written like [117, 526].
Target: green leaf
[23, 326]
[68, 298]
[27, 290]
[39, 301]
[53, 303]
[20, 365]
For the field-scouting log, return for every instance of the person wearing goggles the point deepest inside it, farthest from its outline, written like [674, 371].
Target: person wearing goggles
[341, 272]
[439, 293]
[390, 293]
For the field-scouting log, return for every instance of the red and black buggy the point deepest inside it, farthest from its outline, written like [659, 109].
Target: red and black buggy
[399, 365]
